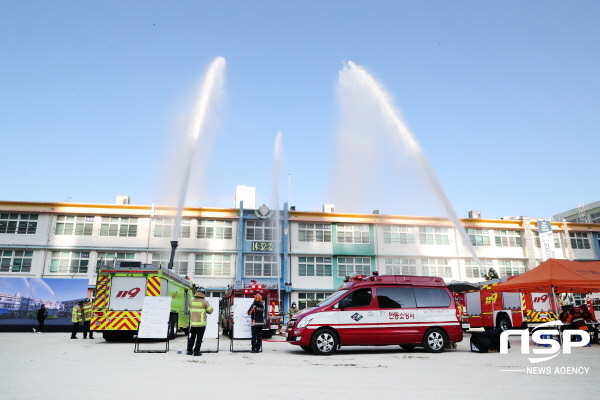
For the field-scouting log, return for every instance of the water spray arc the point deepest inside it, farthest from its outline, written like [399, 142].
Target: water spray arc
[209, 92]
[359, 81]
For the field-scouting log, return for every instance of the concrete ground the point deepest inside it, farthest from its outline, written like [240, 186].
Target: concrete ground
[52, 366]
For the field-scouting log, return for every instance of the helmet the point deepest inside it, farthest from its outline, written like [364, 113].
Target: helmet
[200, 291]
[293, 304]
[258, 297]
[80, 302]
[86, 300]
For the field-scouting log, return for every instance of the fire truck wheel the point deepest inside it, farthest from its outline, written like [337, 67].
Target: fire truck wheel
[407, 346]
[268, 334]
[434, 341]
[503, 322]
[306, 348]
[324, 342]
[173, 320]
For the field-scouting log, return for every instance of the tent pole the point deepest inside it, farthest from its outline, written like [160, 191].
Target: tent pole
[556, 305]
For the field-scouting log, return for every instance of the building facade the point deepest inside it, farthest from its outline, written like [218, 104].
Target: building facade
[306, 255]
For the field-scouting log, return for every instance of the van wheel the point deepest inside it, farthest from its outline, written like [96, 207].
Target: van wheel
[407, 346]
[503, 322]
[324, 342]
[434, 341]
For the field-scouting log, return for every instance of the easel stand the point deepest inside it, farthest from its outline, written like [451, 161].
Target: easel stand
[166, 339]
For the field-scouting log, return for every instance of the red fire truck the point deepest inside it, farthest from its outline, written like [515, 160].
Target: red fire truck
[240, 289]
[488, 309]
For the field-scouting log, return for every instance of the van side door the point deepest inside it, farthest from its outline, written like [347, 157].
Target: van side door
[358, 318]
[397, 315]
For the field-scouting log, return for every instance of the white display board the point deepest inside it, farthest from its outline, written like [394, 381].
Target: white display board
[155, 317]
[241, 319]
[212, 320]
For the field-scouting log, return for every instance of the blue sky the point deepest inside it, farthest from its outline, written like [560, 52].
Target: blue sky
[501, 95]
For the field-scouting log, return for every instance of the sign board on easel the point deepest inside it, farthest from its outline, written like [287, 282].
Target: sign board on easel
[154, 323]
[212, 320]
[241, 319]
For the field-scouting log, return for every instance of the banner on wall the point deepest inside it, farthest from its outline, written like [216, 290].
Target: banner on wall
[546, 239]
[21, 298]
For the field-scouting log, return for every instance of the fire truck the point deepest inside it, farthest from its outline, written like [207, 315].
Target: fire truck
[488, 309]
[240, 289]
[120, 291]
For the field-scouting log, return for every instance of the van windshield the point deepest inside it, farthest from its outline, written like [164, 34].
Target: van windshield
[332, 298]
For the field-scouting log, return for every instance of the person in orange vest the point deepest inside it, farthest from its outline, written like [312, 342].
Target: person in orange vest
[257, 314]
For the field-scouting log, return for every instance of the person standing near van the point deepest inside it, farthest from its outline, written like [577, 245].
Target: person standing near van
[199, 307]
[41, 317]
[292, 311]
[257, 314]
[76, 318]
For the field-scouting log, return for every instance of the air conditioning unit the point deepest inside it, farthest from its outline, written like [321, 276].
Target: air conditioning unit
[474, 214]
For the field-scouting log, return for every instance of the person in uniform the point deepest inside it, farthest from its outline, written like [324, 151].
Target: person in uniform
[76, 318]
[292, 311]
[199, 307]
[87, 318]
[257, 315]
[41, 317]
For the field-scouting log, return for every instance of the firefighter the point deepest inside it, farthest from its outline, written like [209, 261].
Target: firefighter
[292, 311]
[199, 307]
[257, 314]
[87, 318]
[42, 314]
[76, 318]
[590, 317]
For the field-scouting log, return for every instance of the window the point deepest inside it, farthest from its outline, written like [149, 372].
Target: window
[22, 224]
[358, 298]
[506, 238]
[436, 236]
[214, 229]
[315, 266]
[473, 269]
[349, 265]
[213, 264]
[400, 297]
[393, 234]
[579, 240]
[74, 225]
[538, 243]
[119, 226]
[310, 299]
[15, 260]
[260, 265]
[108, 257]
[180, 263]
[69, 262]
[309, 232]
[400, 266]
[436, 267]
[163, 227]
[431, 297]
[357, 234]
[511, 268]
[595, 218]
[479, 237]
[266, 229]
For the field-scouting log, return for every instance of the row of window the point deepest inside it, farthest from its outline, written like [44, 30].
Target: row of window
[77, 262]
[268, 230]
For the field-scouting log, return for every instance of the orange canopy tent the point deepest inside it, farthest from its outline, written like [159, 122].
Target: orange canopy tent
[556, 276]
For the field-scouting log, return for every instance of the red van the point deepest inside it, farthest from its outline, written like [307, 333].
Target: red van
[409, 311]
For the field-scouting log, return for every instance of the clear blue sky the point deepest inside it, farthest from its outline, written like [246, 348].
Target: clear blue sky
[503, 96]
